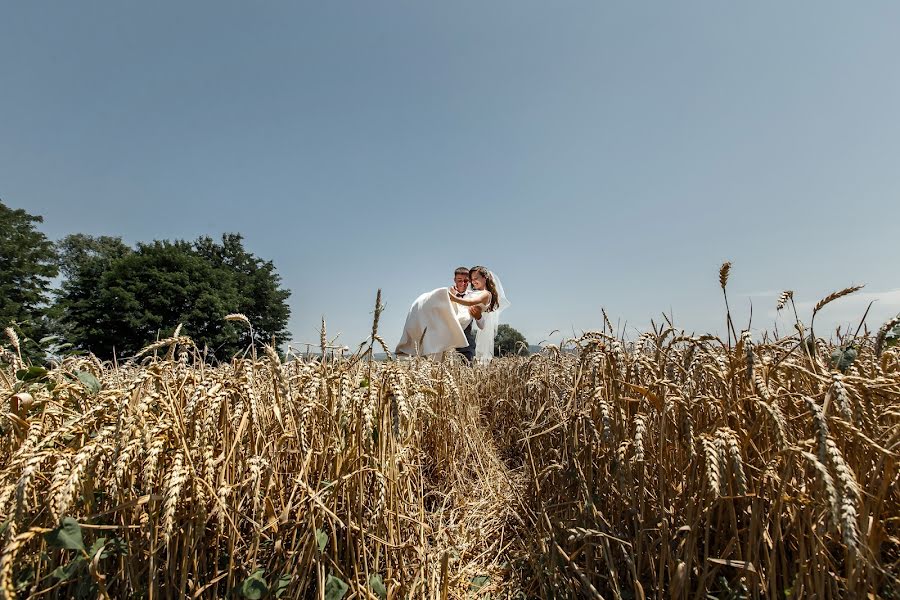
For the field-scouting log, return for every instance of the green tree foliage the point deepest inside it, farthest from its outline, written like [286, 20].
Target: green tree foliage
[509, 341]
[259, 296]
[27, 264]
[119, 299]
[79, 314]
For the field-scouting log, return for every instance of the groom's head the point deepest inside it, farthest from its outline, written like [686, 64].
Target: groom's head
[461, 279]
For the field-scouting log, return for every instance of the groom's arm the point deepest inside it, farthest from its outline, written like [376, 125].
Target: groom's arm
[475, 313]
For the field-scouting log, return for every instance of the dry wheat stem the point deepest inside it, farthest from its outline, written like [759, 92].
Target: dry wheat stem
[673, 448]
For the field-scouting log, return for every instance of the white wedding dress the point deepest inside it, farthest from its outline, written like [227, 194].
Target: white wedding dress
[435, 325]
[432, 326]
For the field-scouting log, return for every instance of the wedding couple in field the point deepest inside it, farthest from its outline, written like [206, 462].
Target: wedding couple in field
[463, 317]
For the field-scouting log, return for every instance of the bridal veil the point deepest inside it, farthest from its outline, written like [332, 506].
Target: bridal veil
[484, 337]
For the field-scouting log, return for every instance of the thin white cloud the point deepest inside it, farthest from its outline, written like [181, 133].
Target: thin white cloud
[846, 311]
[861, 299]
[761, 294]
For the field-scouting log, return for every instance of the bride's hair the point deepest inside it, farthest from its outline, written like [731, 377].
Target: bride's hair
[489, 284]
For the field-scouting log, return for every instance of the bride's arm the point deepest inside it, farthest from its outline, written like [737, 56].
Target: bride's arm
[475, 299]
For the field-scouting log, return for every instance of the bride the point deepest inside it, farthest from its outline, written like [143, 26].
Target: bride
[434, 322]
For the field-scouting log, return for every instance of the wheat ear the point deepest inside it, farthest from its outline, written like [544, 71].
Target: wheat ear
[835, 295]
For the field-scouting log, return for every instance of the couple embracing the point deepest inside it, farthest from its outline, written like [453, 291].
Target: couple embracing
[463, 317]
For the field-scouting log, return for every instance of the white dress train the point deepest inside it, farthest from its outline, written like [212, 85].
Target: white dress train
[432, 326]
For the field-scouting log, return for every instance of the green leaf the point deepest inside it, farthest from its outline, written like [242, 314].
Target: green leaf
[282, 584]
[364, 383]
[842, 358]
[116, 547]
[32, 374]
[67, 535]
[478, 582]
[255, 586]
[64, 572]
[24, 580]
[95, 547]
[377, 585]
[321, 540]
[335, 588]
[85, 588]
[89, 381]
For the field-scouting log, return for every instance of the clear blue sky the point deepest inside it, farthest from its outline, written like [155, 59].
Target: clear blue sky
[592, 153]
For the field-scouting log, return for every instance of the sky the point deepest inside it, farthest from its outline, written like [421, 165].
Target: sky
[593, 154]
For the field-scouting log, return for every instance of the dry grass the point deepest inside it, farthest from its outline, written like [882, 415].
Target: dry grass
[668, 467]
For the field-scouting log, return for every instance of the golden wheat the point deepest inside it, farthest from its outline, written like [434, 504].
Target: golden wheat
[662, 466]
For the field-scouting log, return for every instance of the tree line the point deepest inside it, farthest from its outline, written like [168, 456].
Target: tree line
[113, 299]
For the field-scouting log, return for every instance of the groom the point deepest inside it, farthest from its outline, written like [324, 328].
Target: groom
[461, 289]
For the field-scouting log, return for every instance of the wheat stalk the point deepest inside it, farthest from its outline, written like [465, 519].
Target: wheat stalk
[778, 420]
[724, 271]
[841, 397]
[783, 299]
[7, 590]
[849, 493]
[403, 463]
[640, 430]
[713, 467]
[882, 334]
[835, 295]
[174, 483]
[728, 437]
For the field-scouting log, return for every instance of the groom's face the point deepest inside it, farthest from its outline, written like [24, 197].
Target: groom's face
[461, 281]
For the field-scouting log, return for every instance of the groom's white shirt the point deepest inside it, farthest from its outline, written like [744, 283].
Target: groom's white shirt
[462, 311]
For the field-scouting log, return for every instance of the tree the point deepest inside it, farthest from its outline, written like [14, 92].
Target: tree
[509, 341]
[150, 291]
[259, 296]
[78, 314]
[115, 298]
[27, 264]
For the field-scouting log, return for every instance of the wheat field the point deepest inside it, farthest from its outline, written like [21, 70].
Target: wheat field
[662, 466]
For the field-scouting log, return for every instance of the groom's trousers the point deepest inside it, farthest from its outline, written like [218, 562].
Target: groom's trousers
[469, 351]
